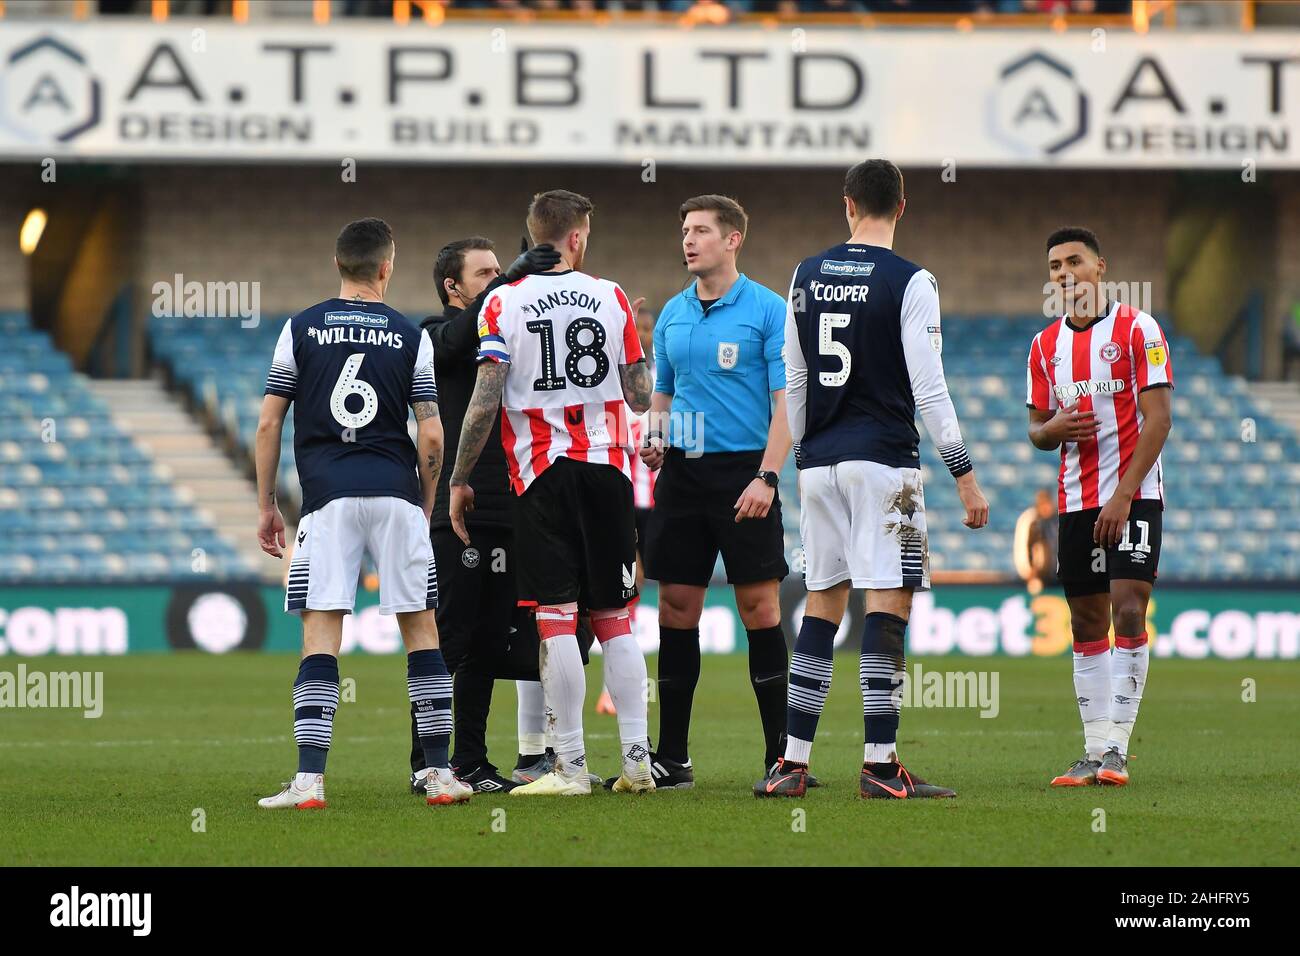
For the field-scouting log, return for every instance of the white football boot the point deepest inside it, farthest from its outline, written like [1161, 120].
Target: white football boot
[636, 776]
[560, 782]
[306, 791]
[442, 787]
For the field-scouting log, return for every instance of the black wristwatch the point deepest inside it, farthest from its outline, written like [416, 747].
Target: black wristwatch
[770, 478]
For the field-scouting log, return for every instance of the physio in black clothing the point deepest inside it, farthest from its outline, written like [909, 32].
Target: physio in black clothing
[483, 635]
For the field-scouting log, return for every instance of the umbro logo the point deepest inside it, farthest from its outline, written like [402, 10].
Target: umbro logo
[487, 786]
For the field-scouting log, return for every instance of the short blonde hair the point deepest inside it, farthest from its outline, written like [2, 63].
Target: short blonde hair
[554, 214]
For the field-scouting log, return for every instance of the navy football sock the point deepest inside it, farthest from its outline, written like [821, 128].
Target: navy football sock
[315, 699]
[429, 687]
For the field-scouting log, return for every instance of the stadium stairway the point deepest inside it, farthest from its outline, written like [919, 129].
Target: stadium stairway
[156, 420]
[1281, 400]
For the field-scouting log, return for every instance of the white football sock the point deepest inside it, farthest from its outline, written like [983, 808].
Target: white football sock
[1092, 692]
[532, 716]
[627, 680]
[565, 686]
[880, 753]
[1128, 677]
[798, 751]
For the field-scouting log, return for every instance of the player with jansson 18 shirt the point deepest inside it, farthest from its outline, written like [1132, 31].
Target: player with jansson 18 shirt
[560, 355]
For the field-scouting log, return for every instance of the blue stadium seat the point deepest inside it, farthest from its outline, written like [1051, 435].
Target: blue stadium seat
[78, 499]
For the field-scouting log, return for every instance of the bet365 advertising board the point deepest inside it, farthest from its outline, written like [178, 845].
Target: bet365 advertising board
[961, 620]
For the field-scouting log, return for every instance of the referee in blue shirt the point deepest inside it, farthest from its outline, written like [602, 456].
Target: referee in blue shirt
[720, 373]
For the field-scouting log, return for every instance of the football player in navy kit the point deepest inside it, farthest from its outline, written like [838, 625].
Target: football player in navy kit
[351, 367]
[862, 357]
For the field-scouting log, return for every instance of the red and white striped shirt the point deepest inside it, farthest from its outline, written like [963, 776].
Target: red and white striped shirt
[1101, 369]
[643, 478]
[564, 336]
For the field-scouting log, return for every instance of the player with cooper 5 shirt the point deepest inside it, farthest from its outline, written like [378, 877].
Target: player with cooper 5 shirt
[1099, 388]
[560, 359]
[862, 358]
[351, 367]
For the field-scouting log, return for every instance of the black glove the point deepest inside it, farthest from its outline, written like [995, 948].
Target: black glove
[537, 259]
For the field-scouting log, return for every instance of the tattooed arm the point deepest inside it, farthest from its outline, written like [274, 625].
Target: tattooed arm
[270, 523]
[428, 444]
[637, 385]
[484, 406]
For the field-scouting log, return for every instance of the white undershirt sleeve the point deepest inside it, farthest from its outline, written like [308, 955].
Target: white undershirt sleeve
[796, 374]
[923, 348]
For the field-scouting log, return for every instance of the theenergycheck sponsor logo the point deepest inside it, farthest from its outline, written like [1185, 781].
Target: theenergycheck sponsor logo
[837, 267]
[78, 909]
[357, 318]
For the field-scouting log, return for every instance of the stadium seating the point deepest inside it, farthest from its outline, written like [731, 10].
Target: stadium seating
[222, 366]
[1222, 491]
[79, 501]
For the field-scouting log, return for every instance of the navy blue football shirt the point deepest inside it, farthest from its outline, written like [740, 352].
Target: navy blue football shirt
[862, 352]
[352, 370]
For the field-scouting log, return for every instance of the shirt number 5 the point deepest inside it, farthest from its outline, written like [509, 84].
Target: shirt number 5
[826, 345]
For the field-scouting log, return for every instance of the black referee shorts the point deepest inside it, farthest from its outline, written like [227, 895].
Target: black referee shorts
[694, 518]
[576, 536]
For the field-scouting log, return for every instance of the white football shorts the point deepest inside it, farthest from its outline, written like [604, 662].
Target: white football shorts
[863, 522]
[327, 554]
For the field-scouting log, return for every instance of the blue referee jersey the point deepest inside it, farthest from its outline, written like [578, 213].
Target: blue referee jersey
[721, 366]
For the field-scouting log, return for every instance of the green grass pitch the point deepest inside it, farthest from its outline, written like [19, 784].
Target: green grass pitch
[1214, 778]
